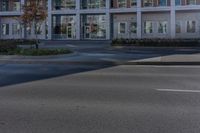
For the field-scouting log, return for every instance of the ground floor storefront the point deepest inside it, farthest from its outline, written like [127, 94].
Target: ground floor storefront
[99, 27]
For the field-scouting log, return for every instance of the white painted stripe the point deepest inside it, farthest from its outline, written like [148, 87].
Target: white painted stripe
[177, 90]
[158, 66]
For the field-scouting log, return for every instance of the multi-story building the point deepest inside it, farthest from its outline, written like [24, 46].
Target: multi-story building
[106, 19]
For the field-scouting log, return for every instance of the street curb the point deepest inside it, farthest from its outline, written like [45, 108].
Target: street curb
[96, 62]
[162, 63]
[61, 62]
[21, 57]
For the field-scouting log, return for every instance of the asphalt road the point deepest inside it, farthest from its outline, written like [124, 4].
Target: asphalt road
[121, 99]
[20, 73]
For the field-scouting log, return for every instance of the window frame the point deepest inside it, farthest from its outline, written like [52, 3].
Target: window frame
[7, 29]
[144, 2]
[180, 27]
[118, 3]
[130, 25]
[132, 1]
[163, 29]
[191, 30]
[13, 30]
[145, 27]
[119, 27]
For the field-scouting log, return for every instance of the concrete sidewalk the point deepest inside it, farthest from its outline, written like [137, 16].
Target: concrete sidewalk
[190, 59]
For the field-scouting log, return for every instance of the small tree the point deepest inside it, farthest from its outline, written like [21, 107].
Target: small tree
[34, 13]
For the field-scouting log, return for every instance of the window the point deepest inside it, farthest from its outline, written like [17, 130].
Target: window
[162, 2]
[28, 30]
[91, 4]
[177, 2]
[133, 3]
[5, 29]
[64, 4]
[148, 27]
[162, 27]
[122, 28]
[16, 5]
[121, 3]
[5, 5]
[64, 26]
[191, 2]
[16, 29]
[191, 26]
[178, 27]
[147, 3]
[38, 29]
[133, 27]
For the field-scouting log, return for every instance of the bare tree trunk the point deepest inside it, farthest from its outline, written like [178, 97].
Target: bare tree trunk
[36, 41]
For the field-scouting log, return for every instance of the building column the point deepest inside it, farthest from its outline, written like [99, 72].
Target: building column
[78, 20]
[108, 24]
[0, 28]
[22, 2]
[139, 19]
[49, 19]
[173, 19]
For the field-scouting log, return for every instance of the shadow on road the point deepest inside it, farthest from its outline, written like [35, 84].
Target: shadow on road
[11, 74]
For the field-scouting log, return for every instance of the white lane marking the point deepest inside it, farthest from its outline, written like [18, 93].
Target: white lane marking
[177, 90]
[158, 66]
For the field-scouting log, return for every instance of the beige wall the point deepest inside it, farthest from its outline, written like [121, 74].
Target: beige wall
[127, 18]
[11, 21]
[156, 17]
[183, 17]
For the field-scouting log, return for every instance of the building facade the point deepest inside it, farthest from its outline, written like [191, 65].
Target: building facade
[105, 19]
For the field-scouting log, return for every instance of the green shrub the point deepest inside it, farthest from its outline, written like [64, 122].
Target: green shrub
[156, 42]
[18, 42]
[4, 48]
[39, 52]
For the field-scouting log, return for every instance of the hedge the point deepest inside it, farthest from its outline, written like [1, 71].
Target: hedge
[157, 42]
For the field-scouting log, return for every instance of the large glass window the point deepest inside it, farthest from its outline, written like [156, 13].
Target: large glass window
[5, 5]
[16, 29]
[178, 2]
[5, 29]
[122, 28]
[93, 26]
[133, 3]
[28, 30]
[122, 3]
[178, 27]
[147, 3]
[13, 5]
[64, 4]
[191, 2]
[16, 5]
[38, 29]
[64, 27]
[162, 2]
[133, 27]
[148, 27]
[191, 26]
[92, 4]
[162, 27]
